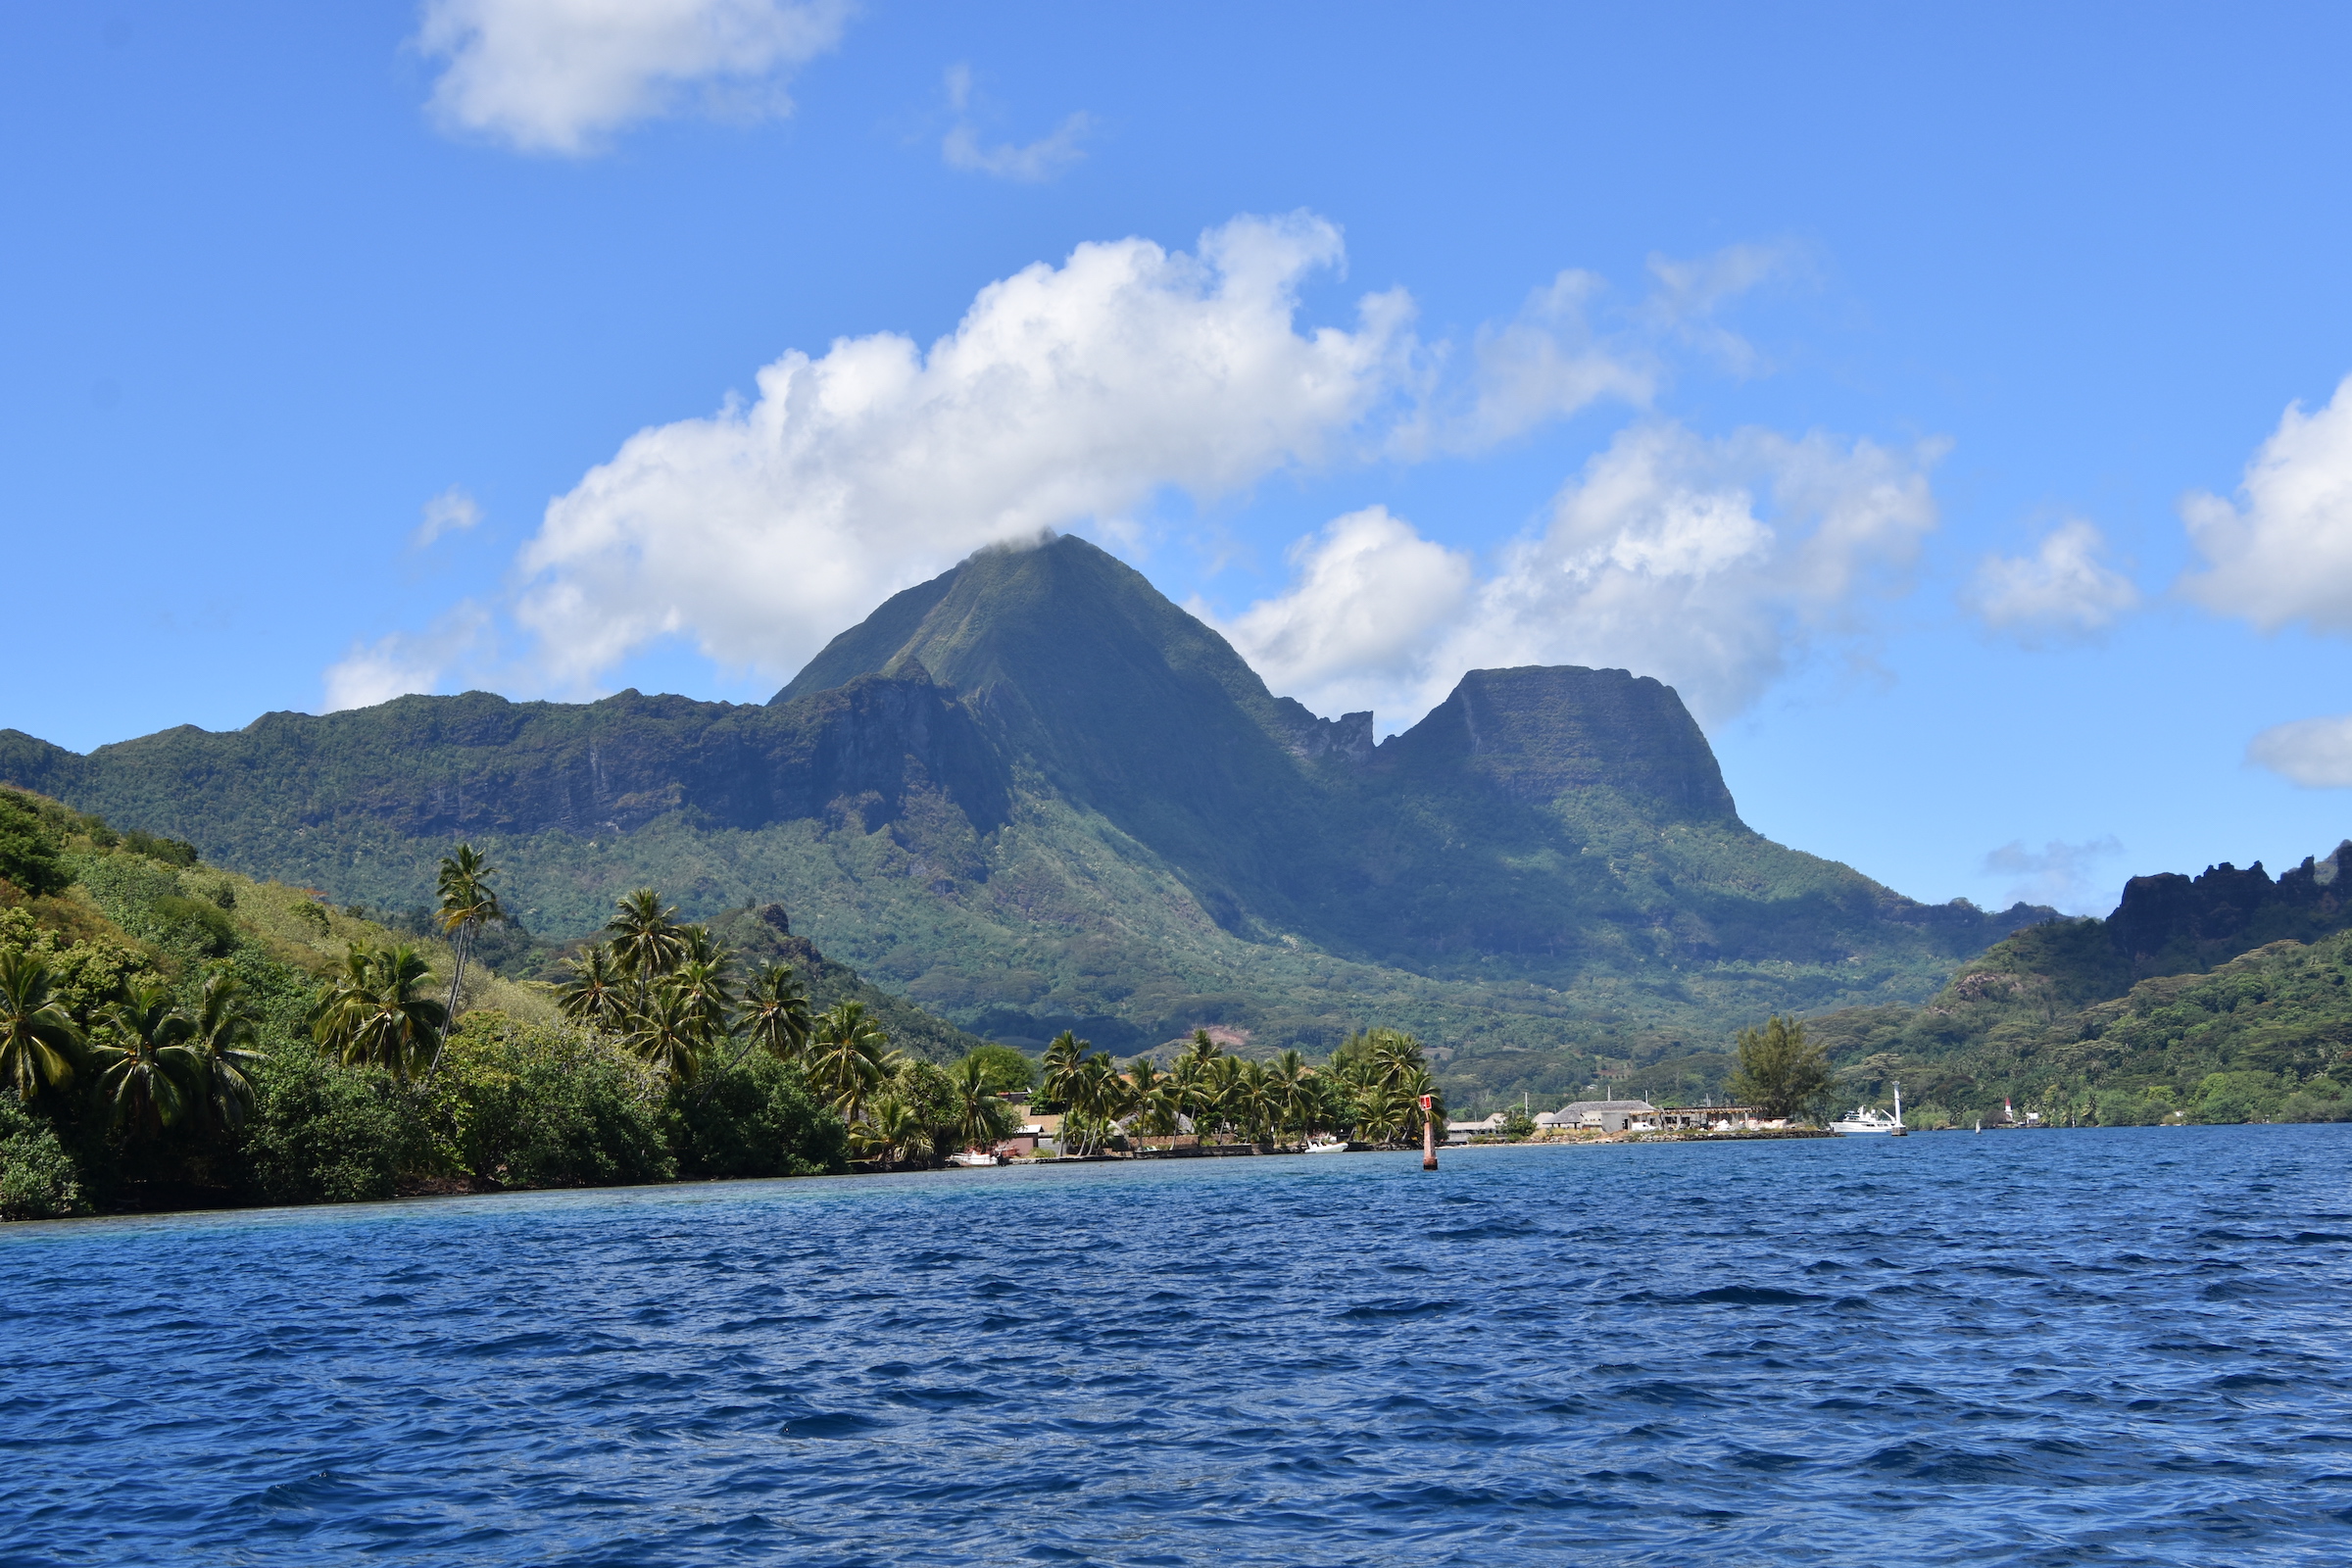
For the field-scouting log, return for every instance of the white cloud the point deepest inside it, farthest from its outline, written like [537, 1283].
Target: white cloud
[1685, 296]
[1547, 363]
[2282, 551]
[453, 511]
[1067, 394]
[2313, 753]
[2061, 875]
[1712, 564]
[1040, 159]
[2063, 589]
[561, 75]
[406, 662]
[1371, 594]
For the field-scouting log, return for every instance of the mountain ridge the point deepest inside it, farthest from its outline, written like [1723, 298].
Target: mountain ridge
[1032, 793]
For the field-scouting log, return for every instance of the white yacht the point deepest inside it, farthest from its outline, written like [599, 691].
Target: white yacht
[1864, 1119]
[972, 1156]
[1325, 1144]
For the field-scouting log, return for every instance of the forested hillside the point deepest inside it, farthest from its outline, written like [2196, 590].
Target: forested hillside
[2218, 997]
[174, 1033]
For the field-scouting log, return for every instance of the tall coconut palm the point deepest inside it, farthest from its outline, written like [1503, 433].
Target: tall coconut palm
[669, 1032]
[223, 1042]
[847, 1056]
[1413, 1085]
[1094, 1096]
[38, 1041]
[468, 903]
[705, 984]
[373, 1014]
[1288, 1079]
[1395, 1054]
[893, 1130]
[981, 1116]
[645, 941]
[150, 1080]
[774, 1016]
[1062, 1057]
[1254, 1101]
[1382, 1113]
[595, 994]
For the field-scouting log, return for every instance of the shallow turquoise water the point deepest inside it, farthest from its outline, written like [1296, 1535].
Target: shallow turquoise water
[2116, 1347]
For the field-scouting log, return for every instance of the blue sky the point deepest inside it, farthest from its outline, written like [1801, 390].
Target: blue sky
[1910, 386]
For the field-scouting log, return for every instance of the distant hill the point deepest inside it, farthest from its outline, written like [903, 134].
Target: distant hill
[1034, 794]
[2224, 997]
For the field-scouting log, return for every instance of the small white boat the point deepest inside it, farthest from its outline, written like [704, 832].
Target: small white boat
[971, 1158]
[1868, 1120]
[1326, 1145]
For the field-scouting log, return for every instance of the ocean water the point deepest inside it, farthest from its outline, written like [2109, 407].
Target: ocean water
[2114, 1347]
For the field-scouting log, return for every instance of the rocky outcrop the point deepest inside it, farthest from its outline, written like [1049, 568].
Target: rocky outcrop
[2168, 922]
[1538, 732]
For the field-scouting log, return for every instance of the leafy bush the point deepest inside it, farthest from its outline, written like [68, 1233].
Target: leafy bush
[29, 849]
[541, 1106]
[755, 1119]
[171, 852]
[321, 1133]
[37, 1178]
[196, 924]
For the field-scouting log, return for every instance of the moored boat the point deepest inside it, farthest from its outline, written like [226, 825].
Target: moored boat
[1326, 1145]
[1868, 1119]
[972, 1158]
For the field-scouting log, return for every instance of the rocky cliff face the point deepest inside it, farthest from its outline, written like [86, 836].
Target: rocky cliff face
[2170, 923]
[1537, 733]
[447, 766]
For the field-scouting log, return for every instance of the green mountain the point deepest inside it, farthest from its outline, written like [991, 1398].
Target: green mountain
[1033, 793]
[2226, 997]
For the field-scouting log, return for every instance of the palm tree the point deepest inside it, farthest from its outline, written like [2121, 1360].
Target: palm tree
[1253, 1096]
[1289, 1084]
[702, 983]
[848, 1053]
[1395, 1054]
[222, 1042]
[1094, 1094]
[645, 942]
[1413, 1085]
[981, 1116]
[150, 1082]
[893, 1130]
[669, 1031]
[594, 996]
[38, 1041]
[372, 1016]
[1062, 1060]
[1381, 1113]
[774, 1016]
[467, 905]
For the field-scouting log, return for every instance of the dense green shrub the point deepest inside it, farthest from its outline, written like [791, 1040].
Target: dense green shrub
[321, 1133]
[29, 849]
[542, 1106]
[38, 1179]
[196, 925]
[757, 1118]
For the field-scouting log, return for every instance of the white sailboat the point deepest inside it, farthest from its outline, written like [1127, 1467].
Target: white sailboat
[1864, 1119]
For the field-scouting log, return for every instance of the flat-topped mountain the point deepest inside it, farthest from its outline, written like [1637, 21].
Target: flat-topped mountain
[1033, 793]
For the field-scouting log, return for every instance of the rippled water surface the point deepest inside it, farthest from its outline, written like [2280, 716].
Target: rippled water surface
[2114, 1347]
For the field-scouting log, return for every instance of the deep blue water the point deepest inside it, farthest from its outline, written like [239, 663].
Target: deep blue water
[2116, 1347]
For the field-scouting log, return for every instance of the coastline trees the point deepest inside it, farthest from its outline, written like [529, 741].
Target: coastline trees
[372, 1016]
[468, 903]
[1779, 1073]
[38, 1041]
